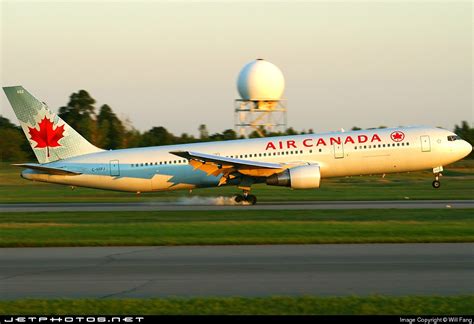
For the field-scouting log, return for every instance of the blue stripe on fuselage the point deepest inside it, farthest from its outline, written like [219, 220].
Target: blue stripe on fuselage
[184, 173]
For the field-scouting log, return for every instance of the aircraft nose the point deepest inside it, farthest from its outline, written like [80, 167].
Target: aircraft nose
[466, 148]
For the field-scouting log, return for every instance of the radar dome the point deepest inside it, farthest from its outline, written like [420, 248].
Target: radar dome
[260, 80]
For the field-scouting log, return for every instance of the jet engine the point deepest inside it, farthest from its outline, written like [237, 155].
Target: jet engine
[300, 177]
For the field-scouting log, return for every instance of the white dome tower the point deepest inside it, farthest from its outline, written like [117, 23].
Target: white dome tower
[261, 108]
[260, 80]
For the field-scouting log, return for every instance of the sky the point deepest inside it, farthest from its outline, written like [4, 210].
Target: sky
[175, 64]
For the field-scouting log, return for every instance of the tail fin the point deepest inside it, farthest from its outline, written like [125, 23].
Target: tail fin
[50, 137]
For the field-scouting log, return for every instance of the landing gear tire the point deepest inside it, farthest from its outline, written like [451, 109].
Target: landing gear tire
[436, 184]
[251, 199]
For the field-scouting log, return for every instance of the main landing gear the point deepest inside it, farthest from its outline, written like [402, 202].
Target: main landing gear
[437, 172]
[251, 199]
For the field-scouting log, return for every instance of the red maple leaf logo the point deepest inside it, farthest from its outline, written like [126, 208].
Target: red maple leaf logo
[397, 136]
[46, 136]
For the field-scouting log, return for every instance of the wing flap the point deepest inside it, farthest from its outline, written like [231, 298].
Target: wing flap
[49, 170]
[215, 165]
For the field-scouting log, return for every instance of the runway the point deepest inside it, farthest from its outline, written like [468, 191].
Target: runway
[219, 203]
[322, 270]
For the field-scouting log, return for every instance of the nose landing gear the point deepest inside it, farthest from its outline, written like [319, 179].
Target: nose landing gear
[437, 172]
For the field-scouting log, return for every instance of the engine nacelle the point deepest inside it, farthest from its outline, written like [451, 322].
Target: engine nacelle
[300, 177]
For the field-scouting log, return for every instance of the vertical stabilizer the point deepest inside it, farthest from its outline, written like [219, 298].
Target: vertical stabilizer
[50, 137]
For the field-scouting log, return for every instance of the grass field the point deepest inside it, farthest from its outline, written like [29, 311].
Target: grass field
[235, 227]
[457, 183]
[245, 227]
[426, 305]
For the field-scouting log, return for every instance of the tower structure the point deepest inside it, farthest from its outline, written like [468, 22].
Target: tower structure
[260, 107]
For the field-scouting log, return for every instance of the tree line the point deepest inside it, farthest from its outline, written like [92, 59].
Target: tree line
[105, 129]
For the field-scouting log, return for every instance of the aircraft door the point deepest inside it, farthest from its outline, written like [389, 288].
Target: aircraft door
[338, 150]
[425, 143]
[114, 168]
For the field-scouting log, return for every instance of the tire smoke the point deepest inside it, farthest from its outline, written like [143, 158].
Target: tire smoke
[210, 201]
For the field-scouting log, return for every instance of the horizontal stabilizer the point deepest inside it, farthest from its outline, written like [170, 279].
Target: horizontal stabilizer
[49, 170]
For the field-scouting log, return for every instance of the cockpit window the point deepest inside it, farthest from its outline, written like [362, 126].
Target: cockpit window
[452, 138]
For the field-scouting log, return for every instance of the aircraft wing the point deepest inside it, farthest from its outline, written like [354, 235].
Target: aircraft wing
[215, 165]
[50, 170]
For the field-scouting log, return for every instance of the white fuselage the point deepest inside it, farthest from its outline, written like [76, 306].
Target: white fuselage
[338, 154]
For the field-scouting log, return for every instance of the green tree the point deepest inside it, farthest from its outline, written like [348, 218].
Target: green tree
[229, 134]
[132, 138]
[80, 114]
[256, 134]
[186, 138]
[111, 131]
[14, 146]
[203, 132]
[157, 136]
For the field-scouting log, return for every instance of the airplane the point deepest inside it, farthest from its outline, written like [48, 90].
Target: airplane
[297, 162]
